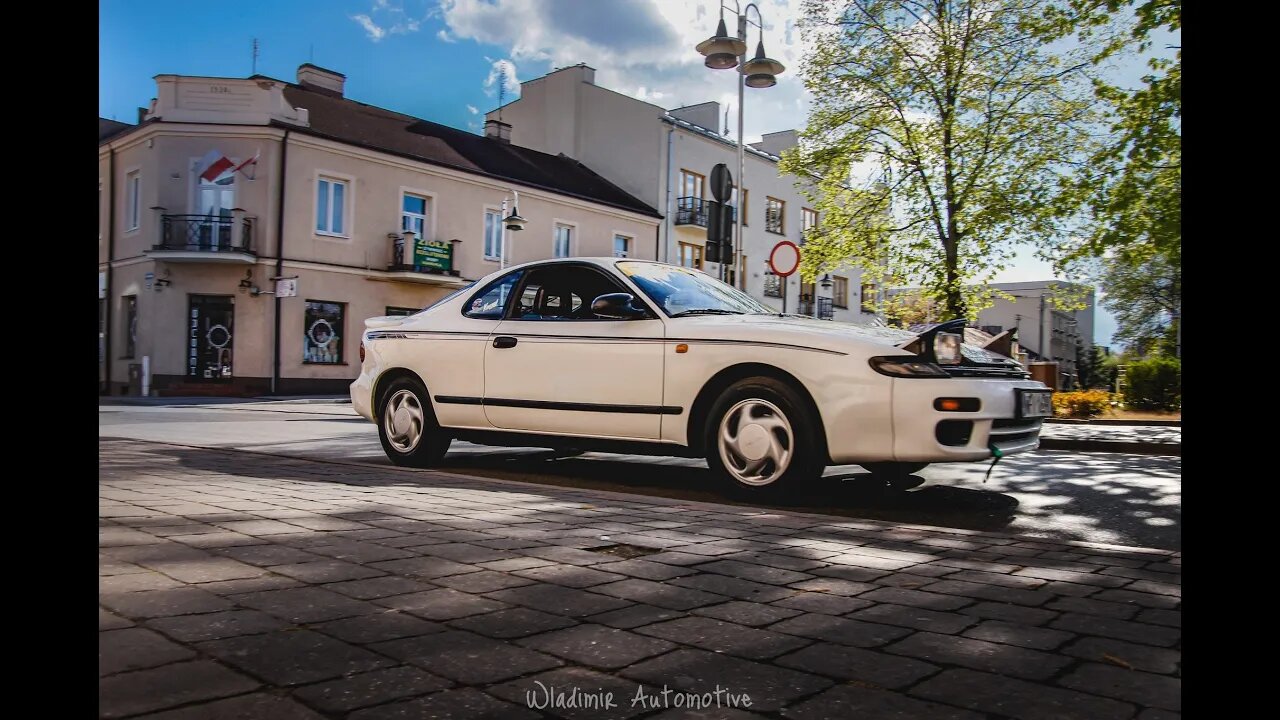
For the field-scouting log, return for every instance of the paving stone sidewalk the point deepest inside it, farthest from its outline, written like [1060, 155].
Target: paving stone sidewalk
[1163, 434]
[240, 585]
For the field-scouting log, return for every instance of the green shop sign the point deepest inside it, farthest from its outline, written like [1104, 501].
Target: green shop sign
[432, 255]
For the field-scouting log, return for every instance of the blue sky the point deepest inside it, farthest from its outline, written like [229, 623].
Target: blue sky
[444, 60]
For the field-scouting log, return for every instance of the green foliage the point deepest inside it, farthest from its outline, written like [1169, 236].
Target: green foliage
[1081, 403]
[1153, 384]
[939, 136]
[1145, 295]
[1091, 368]
[1131, 186]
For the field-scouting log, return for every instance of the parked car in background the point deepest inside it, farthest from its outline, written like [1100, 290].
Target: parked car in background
[645, 357]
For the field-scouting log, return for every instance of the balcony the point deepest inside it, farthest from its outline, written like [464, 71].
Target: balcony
[205, 239]
[825, 311]
[693, 211]
[428, 262]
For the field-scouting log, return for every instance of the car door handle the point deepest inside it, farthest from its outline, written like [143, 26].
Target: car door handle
[504, 341]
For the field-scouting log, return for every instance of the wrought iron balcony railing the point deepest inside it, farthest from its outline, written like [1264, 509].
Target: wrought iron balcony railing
[206, 233]
[693, 211]
[825, 311]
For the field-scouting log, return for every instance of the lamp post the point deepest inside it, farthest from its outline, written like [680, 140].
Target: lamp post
[724, 52]
[509, 222]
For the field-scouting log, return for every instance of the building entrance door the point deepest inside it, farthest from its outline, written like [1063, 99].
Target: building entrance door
[210, 326]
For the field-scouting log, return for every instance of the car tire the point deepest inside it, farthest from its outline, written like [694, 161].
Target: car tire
[407, 426]
[759, 458]
[894, 469]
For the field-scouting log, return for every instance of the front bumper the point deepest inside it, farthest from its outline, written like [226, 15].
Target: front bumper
[969, 435]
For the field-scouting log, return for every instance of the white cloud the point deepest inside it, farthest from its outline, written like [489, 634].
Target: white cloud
[501, 71]
[444, 36]
[371, 28]
[473, 109]
[644, 48]
[396, 18]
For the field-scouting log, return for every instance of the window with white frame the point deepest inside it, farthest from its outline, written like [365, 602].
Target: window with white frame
[331, 206]
[492, 235]
[563, 244]
[413, 214]
[621, 246]
[133, 199]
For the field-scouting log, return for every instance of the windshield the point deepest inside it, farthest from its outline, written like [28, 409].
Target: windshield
[684, 291]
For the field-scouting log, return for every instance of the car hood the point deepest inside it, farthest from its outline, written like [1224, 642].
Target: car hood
[820, 334]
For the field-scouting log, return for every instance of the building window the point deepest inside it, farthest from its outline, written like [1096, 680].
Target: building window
[808, 221]
[331, 207]
[772, 284]
[692, 185]
[492, 235]
[869, 293]
[563, 243]
[133, 200]
[413, 214]
[130, 325]
[691, 255]
[839, 291]
[746, 198]
[774, 211]
[393, 311]
[322, 332]
[621, 246]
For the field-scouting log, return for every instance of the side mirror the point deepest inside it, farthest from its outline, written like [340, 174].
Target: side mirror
[617, 306]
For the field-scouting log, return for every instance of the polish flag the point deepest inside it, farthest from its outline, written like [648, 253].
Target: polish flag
[213, 164]
[253, 161]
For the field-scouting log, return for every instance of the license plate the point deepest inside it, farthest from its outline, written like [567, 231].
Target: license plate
[1034, 403]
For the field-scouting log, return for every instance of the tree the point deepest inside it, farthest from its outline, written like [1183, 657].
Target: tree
[1132, 184]
[1145, 295]
[939, 133]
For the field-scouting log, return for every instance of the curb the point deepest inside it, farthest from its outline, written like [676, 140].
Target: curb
[1111, 446]
[1131, 423]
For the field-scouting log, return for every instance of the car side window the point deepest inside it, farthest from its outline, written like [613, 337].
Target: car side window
[490, 302]
[562, 292]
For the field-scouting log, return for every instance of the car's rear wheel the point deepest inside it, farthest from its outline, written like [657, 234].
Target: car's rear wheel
[760, 437]
[407, 426]
[894, 469]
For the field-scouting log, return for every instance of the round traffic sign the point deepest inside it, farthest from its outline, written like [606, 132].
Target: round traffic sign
[784, 260]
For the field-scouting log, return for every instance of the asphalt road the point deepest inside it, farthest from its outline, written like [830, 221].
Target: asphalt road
[1098, 497]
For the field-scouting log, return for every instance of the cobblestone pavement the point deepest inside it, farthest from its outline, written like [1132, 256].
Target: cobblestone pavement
[240, 585]
[1164, 434]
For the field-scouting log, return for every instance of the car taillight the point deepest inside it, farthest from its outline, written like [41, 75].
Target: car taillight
[362, 351]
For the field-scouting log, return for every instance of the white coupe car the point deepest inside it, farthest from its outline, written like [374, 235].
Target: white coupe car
[643, 357]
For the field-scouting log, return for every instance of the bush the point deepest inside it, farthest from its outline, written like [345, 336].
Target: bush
[1153, 384]
[1081, 403]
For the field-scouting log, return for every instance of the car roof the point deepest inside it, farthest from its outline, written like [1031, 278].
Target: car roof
[602, 261]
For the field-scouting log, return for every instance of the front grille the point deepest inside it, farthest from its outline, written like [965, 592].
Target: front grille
[1008, 434]
[987, 371]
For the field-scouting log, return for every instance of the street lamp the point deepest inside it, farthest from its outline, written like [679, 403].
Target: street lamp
[723, 52]
[509, 222]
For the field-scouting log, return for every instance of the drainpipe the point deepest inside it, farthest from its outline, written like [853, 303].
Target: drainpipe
[275, 354]
[111, 256]
[666, 220]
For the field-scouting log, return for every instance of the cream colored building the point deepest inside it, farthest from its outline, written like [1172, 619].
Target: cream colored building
[187, 265]
[664, 157]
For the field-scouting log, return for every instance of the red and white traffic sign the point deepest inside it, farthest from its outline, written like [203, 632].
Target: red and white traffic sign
[784, 260]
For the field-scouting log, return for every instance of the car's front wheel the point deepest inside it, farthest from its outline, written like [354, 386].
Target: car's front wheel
[407, 426]
[760, 437]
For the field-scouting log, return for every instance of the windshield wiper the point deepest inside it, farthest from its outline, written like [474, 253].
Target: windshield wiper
[707, 311]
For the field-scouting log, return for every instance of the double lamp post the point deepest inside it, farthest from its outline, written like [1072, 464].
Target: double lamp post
[725, 52]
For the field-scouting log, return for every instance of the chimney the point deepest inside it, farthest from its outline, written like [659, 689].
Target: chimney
[314, 77]
[497, 130]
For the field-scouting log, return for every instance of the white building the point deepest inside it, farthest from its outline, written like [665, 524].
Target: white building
[664, 158]
[1045, 332]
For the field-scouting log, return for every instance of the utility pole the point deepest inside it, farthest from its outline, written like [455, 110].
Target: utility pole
[255, 57]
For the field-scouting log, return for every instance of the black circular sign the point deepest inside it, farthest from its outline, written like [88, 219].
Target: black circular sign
[721, 183]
